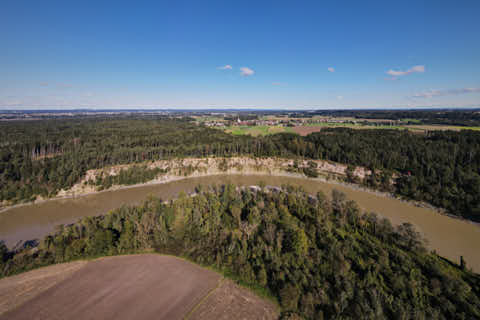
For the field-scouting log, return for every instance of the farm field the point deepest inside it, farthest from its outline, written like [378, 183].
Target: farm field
[439, 127]
[16, 290]
[316, 127]
[257, 130]
[147, 286]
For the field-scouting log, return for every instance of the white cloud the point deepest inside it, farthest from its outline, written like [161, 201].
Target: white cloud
[331, 69]
[448, 92]
[339, 97]
[65, 85]
[399, 73]
[244, 71]
[226, 67]
[420, 69]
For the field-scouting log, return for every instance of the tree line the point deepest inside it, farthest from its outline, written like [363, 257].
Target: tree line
[42, 157]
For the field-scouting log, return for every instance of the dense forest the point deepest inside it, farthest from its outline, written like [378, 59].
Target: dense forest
[440, 167]
[319, 258]
[42, 157]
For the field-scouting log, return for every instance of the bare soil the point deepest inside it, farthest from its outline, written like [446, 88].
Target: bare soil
[232, 302]
[127, 287]
[306, 130]
[16, 290]
[147, 286]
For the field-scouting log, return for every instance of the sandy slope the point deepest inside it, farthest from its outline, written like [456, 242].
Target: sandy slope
[197, 167]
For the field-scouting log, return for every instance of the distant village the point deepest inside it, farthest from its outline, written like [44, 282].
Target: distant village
[287, 122]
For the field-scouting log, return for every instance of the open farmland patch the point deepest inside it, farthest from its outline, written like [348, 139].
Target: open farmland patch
[255, 130]
[147, 286]
[231, 302]
[126, 287]
[440, 127]
[16, 290]
[306, 130]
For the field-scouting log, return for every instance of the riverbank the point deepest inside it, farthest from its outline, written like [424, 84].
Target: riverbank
[179, 169]
[449, 237]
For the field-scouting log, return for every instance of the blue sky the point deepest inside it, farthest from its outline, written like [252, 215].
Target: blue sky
[190, 54]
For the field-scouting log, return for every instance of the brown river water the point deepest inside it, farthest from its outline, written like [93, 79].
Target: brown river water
[450, 237]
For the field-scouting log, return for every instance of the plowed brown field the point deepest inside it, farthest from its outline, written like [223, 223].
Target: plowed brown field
[306, 130]
[147, 286]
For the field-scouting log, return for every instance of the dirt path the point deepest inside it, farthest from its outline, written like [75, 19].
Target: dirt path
[147, 286]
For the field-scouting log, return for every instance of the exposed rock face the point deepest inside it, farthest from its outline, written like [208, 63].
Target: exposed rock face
[197, 167]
